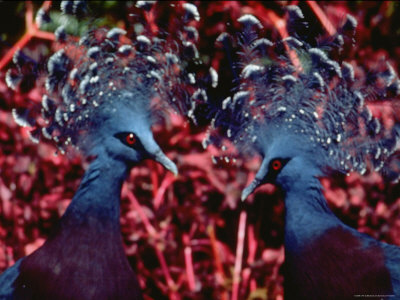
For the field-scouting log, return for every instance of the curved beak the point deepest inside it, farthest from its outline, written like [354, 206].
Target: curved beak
[250, 188]
[160, 157]
[154, 151]
[257, 181]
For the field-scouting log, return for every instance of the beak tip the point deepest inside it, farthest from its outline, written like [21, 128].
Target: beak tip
[250, 189]
[172, 168]
[166, 162]
[245, 194]
[175, 171]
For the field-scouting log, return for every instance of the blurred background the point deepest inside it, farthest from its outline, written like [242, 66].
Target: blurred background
[182, 233]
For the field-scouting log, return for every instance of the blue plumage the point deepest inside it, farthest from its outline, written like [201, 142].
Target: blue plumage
[103, 95]
[306, 114]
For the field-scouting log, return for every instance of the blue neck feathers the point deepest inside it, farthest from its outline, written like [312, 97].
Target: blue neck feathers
[307, 212]
[84, 257]
[98, 195]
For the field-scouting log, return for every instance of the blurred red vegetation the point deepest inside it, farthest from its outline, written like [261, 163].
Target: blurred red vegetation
[182, 234]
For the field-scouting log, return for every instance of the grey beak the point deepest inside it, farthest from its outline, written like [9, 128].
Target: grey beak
[160, 157]
[155, 152]
[261, 174]
[250, 188]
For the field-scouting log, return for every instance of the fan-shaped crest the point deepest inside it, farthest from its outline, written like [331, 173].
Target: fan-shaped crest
[137, 67]
[293, 87]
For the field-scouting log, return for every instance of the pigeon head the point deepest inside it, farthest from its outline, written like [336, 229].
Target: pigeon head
[103, 93]
[304, 110]
[122, 131]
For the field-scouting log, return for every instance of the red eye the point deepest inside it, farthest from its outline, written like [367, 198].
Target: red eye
[276, 165]
[130, 139]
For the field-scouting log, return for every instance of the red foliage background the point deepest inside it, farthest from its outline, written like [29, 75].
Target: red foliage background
[190, 237]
